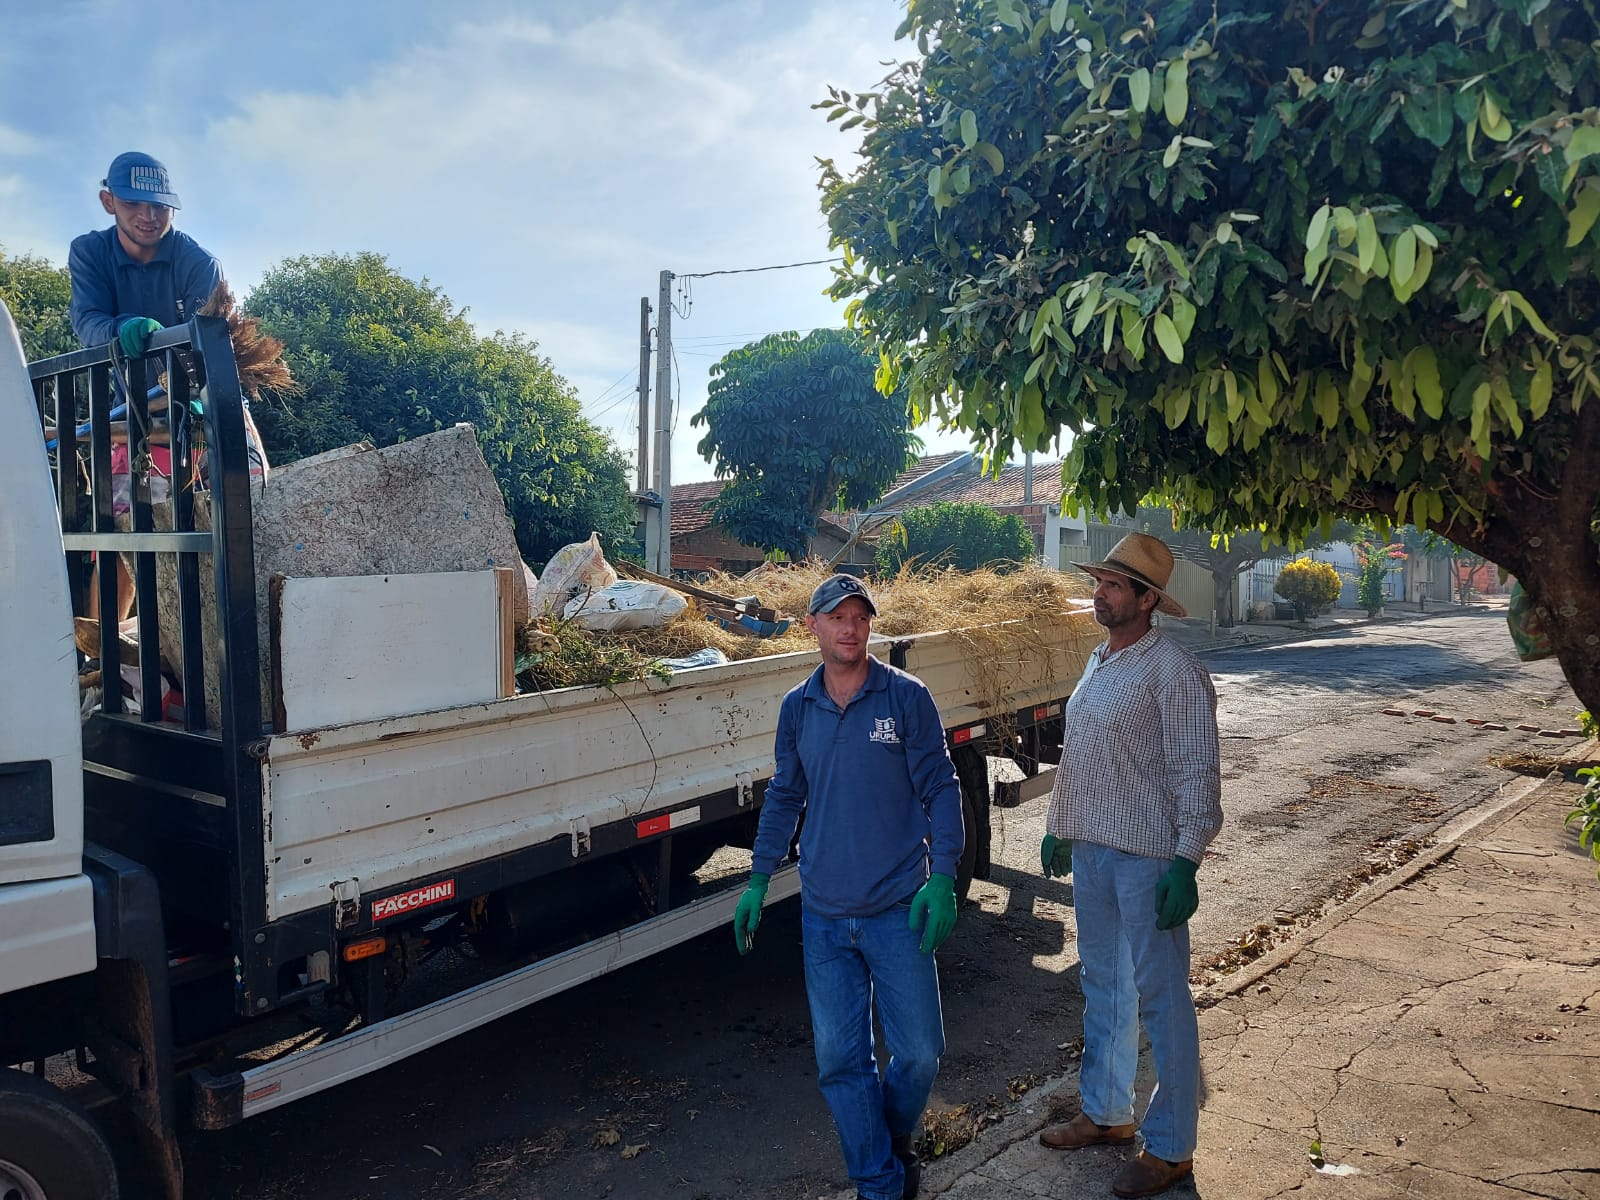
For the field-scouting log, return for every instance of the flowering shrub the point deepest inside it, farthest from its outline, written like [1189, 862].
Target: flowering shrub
[1309, 585]
[1374, 561]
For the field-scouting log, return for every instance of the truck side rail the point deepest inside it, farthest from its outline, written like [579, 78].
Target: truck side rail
[151, 782]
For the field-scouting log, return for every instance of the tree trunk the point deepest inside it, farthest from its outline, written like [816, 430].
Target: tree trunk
[1223, 600]
[1547, 540]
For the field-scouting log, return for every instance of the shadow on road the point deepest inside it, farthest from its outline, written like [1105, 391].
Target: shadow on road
[1345, 659]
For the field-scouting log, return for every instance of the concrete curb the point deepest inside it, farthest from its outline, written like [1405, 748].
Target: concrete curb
[944, 1173]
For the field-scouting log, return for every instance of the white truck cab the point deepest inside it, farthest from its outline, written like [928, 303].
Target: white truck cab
[46, 902]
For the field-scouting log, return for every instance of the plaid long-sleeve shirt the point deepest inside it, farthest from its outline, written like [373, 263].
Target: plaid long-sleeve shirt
[1139, 767]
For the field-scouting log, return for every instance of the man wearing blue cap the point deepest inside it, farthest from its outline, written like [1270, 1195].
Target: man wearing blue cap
[861, 752]
[141, 274]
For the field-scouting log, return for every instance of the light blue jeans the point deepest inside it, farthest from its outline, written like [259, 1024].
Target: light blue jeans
[1133, 971]
[852, 962]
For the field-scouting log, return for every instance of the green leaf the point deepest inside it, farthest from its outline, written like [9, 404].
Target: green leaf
[1317, 242]
[1480, 418]
[1139, 90]
[1520, 303]
[1402, 389]
[1582, 217]
[1167, 336]
[935, 179]
[1086, 310]
[969, 128]
[1325, 400]
[1230, 385]
[1085, 75]
[990, 153]
[1366, 241]
[1058, 15]
[1183, 314]
[1217, 431]
[1425, 370]
[1174, 148]
[1403, 260]
[1539, 390]
[1175, 98]
[1585, 141]
[1267, 382]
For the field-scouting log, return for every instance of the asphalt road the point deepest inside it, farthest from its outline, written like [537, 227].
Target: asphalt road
[691, 1075]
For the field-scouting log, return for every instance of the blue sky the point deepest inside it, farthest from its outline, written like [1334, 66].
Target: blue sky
[541, 162]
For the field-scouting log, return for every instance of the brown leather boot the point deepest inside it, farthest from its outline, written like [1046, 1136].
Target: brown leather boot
[1146, 1175]
[1081, 1131]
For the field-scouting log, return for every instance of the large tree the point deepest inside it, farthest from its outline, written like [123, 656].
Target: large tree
[1269, 262]
[38, 296]
[798, 426]
[383, 358]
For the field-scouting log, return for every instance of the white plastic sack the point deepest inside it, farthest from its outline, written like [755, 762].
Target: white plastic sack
[625, 605]
[574, 570]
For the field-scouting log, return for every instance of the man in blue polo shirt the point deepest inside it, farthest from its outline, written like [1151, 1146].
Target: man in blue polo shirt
[861, 751]
[141, 274]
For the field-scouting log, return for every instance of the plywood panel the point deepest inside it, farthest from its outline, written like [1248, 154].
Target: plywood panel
[365, 647]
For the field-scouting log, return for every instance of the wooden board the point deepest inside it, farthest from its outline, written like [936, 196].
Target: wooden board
[360, 648]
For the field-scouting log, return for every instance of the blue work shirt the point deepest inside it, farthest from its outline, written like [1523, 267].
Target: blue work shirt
[108, 286]
[878, 790]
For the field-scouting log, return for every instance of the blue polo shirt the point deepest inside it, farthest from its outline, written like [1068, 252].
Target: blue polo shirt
[108, 287]
[878, 789]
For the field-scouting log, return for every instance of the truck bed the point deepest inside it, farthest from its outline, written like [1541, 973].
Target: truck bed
[353, 810]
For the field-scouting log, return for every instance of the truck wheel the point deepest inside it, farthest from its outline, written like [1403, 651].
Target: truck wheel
[49, 1148]
[972, 770]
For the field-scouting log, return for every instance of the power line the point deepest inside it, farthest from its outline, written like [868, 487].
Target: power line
[815, 262]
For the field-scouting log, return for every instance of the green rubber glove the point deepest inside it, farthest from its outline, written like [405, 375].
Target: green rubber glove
[748, 915]
[935, 901]
[134, 334]
[1055, 856]
[1177, 897]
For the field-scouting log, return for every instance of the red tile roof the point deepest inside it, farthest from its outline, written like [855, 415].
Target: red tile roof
[691, 505]
[1003, 492]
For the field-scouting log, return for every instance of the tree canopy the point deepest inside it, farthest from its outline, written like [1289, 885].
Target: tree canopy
[38, 296]
[797, 426]
[384, 358]
[1267, 263]
[963, 536]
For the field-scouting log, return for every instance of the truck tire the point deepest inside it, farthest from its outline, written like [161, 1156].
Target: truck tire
[49, 1148]
[972, 770]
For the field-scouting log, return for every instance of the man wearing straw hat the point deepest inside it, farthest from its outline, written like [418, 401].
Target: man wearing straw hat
[1137, 798]
[861, 752]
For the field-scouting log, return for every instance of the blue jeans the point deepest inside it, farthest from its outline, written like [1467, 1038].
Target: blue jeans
[850, 963]
[1133, 971]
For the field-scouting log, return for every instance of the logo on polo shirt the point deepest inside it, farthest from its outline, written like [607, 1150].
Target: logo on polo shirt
[883, 731]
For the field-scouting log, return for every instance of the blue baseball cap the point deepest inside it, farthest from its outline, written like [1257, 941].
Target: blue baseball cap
[835, 590]
[140, 179]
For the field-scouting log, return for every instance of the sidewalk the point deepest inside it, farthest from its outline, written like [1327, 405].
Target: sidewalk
[1439, 1035]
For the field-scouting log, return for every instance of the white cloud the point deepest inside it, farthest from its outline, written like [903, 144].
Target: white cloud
[539, 161]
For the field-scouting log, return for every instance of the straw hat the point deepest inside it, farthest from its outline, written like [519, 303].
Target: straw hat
[1145, 558]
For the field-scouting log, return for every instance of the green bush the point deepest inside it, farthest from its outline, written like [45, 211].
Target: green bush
[963, 536]
[1374, 561]
[1309, 585]
[1587, 813]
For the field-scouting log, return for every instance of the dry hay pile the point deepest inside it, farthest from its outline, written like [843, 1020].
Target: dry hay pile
[994, 613]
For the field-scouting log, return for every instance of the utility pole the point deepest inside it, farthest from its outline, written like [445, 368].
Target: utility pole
[644, 395]
[663, 458]
[649, 507]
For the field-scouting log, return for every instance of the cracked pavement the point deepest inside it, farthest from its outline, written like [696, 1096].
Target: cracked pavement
[1439, 1036]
